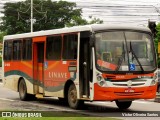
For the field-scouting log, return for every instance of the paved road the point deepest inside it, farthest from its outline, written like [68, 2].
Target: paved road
[9, 100]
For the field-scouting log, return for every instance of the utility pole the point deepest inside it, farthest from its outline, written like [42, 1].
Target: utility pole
[31, 15]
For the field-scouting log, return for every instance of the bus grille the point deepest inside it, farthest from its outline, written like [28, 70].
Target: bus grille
[125, 83]
[128, 94]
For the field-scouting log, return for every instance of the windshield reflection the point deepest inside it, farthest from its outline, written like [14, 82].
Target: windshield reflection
[124, 51]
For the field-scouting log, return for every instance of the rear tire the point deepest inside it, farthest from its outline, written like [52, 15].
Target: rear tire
[72, 98]
[23, 90]
[24, 96]
[123, 104]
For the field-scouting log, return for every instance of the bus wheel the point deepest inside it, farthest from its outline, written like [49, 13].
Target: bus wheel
[158, 89]
[72, 98]
[123, 104]
[23, 90]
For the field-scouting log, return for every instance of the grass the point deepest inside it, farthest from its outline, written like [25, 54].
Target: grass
[56, 116]
[61, 118]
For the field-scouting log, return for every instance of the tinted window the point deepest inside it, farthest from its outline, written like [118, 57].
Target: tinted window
[70, 47]
[27, 49]
[17, 47]
[8, 50]
[54, 45]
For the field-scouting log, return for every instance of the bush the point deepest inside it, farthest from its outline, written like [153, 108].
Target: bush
[0, 62]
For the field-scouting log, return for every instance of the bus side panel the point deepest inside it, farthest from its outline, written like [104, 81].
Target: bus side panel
[13, 71]
[56, 73]
[8, 79]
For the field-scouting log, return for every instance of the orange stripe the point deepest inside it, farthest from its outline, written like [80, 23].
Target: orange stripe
[53, 65]
[27, 64]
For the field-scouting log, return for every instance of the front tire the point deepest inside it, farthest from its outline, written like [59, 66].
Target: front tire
[158, 90]
[72, 98]
[123, 104]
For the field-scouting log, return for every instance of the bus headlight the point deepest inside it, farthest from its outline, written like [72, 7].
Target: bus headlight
[155, 76]
[153, 82]
[102, 83]
[99, 78]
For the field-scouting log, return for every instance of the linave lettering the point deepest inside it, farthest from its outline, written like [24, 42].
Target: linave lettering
[57, 75]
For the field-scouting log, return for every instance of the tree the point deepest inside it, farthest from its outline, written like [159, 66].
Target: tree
[77, 20]
[47, 15]
[156, 40]
[2, 34]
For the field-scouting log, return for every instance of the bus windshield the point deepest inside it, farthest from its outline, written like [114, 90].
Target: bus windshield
[124, 51]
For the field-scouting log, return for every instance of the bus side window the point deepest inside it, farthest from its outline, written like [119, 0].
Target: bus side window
[54, 46]
[7, 50]
[27, 49]
[70, 42]
[17, 49]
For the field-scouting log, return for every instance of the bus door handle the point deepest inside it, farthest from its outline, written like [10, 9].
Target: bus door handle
[84, 64]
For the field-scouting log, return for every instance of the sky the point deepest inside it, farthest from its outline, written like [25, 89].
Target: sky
[136, 12]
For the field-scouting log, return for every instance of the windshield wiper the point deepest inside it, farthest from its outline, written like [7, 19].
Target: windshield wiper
[120, 60]
[131, 50]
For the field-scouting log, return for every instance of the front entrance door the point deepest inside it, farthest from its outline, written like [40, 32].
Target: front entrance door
[84, 67]
[38, 62]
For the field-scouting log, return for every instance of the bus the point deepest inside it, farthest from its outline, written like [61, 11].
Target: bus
[82, 63]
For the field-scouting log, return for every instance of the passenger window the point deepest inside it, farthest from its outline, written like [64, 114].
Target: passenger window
[54, 45]
[70, 46]
[7, 50]
[17, 48]
[27, 49]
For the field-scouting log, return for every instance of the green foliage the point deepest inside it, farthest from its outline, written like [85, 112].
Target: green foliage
[0, 61]
[2, 34]
[156, 40]
[77, 20]
[47, 13]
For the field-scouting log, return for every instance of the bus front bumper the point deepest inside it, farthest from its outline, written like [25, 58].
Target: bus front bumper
[115, 93]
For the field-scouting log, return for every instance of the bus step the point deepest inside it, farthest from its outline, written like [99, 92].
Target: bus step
[39, 95]
[84, 98]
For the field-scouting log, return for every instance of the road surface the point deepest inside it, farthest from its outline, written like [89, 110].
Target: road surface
[9, 100]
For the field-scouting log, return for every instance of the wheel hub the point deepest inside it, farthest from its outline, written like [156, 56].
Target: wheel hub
[73, 95]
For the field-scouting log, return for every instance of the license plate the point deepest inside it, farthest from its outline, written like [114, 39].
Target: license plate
[129, 90]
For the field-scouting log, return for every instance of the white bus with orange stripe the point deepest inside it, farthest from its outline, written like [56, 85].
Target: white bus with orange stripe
[83, 63]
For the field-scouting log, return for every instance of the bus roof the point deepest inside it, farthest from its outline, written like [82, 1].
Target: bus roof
[94, 27]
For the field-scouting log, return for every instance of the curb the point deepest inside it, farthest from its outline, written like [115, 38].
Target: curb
[157, 99]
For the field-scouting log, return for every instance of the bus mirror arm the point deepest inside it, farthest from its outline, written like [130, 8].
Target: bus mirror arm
[91, 42]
